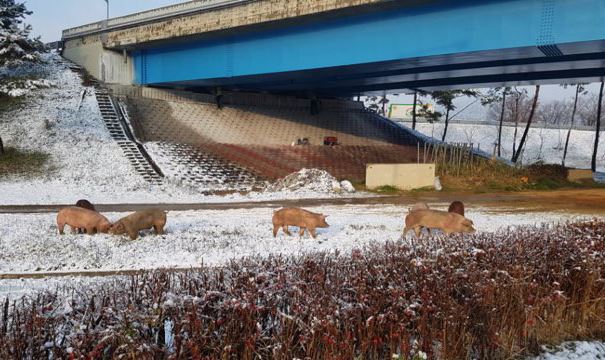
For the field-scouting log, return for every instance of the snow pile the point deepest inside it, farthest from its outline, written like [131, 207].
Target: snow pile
[576, 350]
[310, 180]
[347, 186]
[22, 87]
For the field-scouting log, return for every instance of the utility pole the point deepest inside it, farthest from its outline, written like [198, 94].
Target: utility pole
[107, 2]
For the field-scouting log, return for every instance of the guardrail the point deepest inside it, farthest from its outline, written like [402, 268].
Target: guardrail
[535, 124]
[149, 16]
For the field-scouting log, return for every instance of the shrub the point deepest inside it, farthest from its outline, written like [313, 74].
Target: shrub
[490, 296]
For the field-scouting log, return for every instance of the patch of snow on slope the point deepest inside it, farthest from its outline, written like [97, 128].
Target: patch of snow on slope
[85, 162]
[574, 350]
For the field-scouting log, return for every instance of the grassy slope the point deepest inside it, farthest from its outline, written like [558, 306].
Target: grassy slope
[16, 162]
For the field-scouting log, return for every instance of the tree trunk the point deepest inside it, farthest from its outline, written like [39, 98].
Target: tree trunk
[501, 120]
[573, 115]
[597, 130]
[531, 116]
[414, 110]
[1, 147]
[447, 120]
[516, 124]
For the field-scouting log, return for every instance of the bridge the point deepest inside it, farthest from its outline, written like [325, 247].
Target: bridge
[346, 47]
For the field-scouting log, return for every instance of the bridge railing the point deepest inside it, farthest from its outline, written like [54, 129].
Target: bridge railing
[149, 16]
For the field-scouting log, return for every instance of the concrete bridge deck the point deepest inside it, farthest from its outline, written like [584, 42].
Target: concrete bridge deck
[347, 47]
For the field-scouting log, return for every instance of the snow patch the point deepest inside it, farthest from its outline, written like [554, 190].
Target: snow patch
[576, 350]
[347, 186]
[307, 180]
[22, 87]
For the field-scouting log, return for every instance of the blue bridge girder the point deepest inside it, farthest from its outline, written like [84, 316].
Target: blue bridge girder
[437, 44]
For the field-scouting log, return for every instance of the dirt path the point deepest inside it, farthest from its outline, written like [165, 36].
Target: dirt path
[591, 201]
[89, 273]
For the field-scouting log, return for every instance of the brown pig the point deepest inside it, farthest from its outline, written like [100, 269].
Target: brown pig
[446, 221]
[80, 218]
[140, 220]
[304, 219]
[85, 204]
[419, 206]
[456, 207]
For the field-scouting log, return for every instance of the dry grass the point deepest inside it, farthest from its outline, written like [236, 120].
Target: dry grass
[489, 296]
[15, 162]
[489, 175]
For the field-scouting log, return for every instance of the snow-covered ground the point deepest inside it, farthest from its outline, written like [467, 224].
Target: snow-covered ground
[574, 350]
[29, 242]
[542, 144]
[85, 162]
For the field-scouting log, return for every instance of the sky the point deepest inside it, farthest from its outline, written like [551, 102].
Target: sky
[50, 17]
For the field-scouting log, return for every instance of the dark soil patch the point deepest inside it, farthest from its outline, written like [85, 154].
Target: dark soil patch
[8, 103]
[15, 162]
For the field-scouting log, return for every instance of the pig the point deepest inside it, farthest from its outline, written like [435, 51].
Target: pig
[140, 220]
[446, 221]
[419, 206]
[304, 219]
[85, 204]
[456, 207]
[80, 218]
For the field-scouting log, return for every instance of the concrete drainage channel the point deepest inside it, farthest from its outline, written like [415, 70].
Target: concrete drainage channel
[120, 131]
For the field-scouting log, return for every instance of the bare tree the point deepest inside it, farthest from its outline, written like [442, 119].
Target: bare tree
[554, 112]
[414, 109]
[470, 132]
[446, 99]
[529, 120]
[597, 129]
[384, 101]
[580, 89]
[587, 109]
[493, 96]
[517, 107]
[541, 137]
[377, 104]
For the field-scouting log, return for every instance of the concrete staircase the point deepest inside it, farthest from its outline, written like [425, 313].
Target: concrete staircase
[194, 167]
[120, 131]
